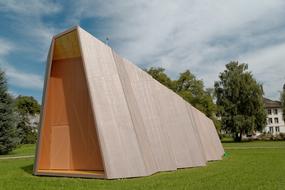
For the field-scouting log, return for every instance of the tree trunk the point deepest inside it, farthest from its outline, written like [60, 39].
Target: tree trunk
[238, 136]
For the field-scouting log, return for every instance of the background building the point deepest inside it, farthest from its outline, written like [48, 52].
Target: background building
[275, 123]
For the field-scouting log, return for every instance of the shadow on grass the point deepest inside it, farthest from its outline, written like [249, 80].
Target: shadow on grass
[227, 141]
[244, 141]
[28, 169]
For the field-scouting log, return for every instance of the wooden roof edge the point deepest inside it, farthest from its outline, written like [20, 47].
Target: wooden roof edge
[67, 31]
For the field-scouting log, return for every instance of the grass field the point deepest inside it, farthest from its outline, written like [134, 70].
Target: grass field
[24, 150]
[251, 165]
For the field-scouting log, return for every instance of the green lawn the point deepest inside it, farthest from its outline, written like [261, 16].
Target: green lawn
[252, 165]
[255, 144]
[23, 150]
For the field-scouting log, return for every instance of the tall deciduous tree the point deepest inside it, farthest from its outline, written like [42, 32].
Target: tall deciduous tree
[192, 90]
[8, 129]
[160, 75]
[189, 88]
[27, 105]
[240, 97]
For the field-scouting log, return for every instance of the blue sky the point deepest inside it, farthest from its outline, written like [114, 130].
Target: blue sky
[200, 35]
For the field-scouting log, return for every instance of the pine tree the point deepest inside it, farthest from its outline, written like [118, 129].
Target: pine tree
[8, 130]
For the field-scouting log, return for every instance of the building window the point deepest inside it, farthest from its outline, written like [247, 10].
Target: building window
[277, 129]
[269, 111]
[275, 111]
[271, 129]
[276, 120]
[270, 121]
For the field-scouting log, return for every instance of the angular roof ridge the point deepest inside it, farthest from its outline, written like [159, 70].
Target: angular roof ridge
[271, 103]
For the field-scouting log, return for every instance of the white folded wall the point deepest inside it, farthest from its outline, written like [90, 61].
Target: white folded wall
[143, 126]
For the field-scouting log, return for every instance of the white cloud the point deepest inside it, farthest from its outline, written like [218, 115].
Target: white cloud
[22, 79]
[29, 7]
[189, 34]
[13, 93]
[32, 35]
[15, 76]
[28, 22]
[185, 34]
[5, 47]
[268, 65]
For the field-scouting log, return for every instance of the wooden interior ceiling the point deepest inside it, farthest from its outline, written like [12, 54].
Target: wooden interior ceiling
[66, 46]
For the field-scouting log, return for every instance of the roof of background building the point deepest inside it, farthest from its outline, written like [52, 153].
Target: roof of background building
[272, 103]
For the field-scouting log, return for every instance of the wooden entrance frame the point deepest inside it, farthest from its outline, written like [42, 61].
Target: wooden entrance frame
[69, 146]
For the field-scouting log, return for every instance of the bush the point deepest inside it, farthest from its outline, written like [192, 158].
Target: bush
[31, 138]
[271, 137]
[282, 136]
[26, 132]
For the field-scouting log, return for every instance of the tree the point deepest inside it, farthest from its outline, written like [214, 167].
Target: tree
[190, 89]
[282, 98]
[158, 73]
[8, 130]
[27, 108]
[27, 105]
[240, 98]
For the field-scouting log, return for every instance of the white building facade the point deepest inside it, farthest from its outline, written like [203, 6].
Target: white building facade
[275, 122]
